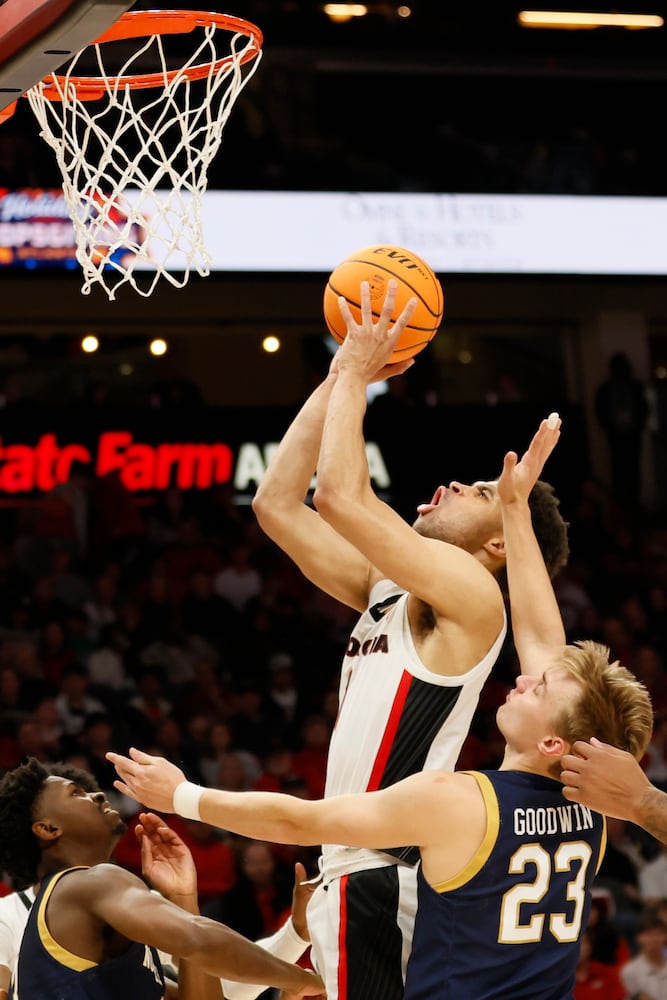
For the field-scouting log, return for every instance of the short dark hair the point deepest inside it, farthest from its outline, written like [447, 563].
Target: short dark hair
[20, 854]
[550, 530]
[649, 920]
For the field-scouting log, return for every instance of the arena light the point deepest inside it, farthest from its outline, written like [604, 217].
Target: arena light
[341, 12]
[90, 343]
[574, 20]
[158, 347]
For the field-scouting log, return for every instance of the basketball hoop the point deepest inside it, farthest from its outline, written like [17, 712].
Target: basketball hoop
[135, 165]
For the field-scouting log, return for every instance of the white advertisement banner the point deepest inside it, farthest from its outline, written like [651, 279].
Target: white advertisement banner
[256, 231]
[454, 233]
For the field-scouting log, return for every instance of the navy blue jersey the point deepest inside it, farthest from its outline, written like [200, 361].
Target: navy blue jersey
[508, 926]
[45, 970]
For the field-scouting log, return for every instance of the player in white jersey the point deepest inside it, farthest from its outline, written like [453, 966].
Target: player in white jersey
[14, 910]
[408, 692]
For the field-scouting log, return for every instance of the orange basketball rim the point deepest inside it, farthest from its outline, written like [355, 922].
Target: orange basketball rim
[145, 23]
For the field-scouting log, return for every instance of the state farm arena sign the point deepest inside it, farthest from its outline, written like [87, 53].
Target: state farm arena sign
[142, 465]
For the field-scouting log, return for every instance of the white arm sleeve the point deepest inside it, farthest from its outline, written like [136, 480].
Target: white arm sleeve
[285, 944]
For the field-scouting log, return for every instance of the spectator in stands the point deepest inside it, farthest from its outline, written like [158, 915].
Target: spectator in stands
[232, 774]
[254, 724]
[621, 407]
[594, 980]
[260, 897]
[655, 759]
[284, 697]
[648, 664]
[645, 976]
[31, 742]
[106, 666]
[151, 700]
[653, 878]
[55, 652]
[47, 720]
[608, 945]
[13, 708]
[220, 744]
[44, 605]
[101, 606]
[619, 872]
[204, 612]
[74, 703]
[239, 581]
[204, 692]
[70, 586]
[116, 521]
[310, 760]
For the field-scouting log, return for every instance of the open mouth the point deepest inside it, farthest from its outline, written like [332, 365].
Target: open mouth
[426, 508]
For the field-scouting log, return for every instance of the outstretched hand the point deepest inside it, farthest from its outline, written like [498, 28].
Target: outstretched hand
[150, 780]
[166, 861]
[368, 345]
[519, 477]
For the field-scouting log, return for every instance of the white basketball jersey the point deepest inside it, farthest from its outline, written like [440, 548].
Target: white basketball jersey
[395, 716]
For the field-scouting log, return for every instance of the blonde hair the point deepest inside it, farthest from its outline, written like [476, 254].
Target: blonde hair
[614, 705]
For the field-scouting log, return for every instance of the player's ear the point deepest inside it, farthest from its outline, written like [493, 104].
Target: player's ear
[496, 547]
[553, 746]
[46, 829]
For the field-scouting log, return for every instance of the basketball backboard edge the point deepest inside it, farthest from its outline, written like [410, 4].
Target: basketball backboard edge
[38, 36]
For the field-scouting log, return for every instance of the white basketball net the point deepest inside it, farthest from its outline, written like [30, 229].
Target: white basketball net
[135, 162]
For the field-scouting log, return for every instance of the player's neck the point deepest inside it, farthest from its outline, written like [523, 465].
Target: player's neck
[531, 763]
[81, 857]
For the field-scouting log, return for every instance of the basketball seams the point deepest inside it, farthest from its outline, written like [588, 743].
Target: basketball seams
[432, 282]
[377, 264]
[376, 315]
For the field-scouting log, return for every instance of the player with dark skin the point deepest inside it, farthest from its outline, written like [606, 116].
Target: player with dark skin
[49, 824]
[86, 780]
[486, 928]
[432, 623]
[612, 782]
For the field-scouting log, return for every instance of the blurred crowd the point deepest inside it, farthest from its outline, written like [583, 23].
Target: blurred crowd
[178, 627]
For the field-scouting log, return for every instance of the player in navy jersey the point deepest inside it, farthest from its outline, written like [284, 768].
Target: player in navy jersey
[432, 625]
[506, 861]
[94, 928]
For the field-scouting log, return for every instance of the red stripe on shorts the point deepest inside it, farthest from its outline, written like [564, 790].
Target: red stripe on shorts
[342, 939]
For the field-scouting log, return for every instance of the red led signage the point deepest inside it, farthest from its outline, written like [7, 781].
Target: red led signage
[28, 468]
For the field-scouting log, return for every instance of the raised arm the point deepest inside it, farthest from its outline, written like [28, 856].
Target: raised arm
[118, 898]
[167, 865]
[442, 575]
[537, 624]
[326, 558]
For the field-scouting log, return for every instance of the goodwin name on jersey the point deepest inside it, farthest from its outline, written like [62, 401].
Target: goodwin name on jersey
[552, 819]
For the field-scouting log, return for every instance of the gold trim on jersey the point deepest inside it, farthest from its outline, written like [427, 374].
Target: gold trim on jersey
[60, 954]
[603, 844]
[483, 852]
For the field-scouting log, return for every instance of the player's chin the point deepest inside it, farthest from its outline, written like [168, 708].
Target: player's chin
[120, 827]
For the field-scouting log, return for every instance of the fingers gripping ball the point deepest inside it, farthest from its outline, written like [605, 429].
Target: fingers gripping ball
[377, 265]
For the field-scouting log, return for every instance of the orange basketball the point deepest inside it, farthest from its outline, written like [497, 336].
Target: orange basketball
[376, 265]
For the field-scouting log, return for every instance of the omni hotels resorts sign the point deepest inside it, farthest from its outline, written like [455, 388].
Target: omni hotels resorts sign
[143, 466]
